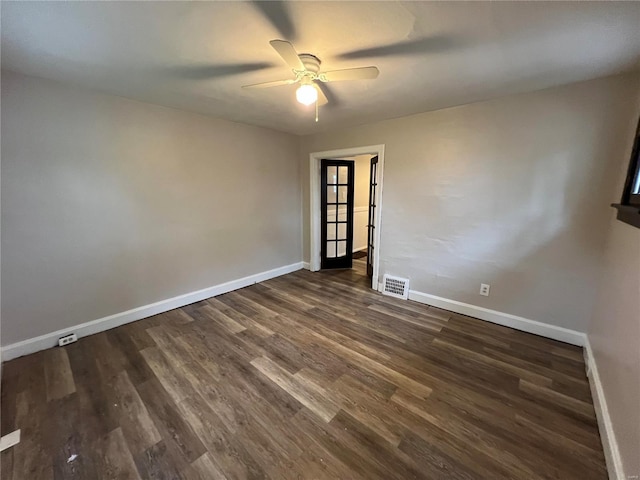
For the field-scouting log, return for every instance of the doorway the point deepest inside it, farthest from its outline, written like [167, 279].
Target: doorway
[363, 250]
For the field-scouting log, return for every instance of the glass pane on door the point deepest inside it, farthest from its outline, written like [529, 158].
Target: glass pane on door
[342, 231]
[332, 197]
[342, 248]
[331, 231]
[331, 249]
[342, 194]
[343, 175]
[332, 175]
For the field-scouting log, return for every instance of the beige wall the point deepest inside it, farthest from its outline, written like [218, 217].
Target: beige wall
[361, 201]
[362, 165]
[110, 204]
[614, 333]
[361, 185]
[513, 192]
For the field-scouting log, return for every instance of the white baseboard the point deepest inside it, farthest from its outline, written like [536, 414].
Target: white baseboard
[607, 435]
[49, 340]
[519, 323]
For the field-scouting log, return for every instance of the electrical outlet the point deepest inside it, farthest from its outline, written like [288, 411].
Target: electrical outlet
[67, 339]
[484, 289]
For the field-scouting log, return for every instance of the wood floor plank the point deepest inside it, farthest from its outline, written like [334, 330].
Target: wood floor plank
[566, 351]
[582, 408]
[222, 400]
[58, 374]
[67, 442]
[304, 376]
[339, 442]
[6, 460]
[32, 458]
[389, 461]
[588, 459]
[223, 320]
[287, 352]
[137, 426]
[204, 468]
[247, 322]
[434, 463]
[92, 390]
[409, 318]
[176, 385]
[116, 462]
[228, 454]
[375, 367]
[510, 368]
[314, 397]
[275, 461]
[31, 461]
[165, 338]
[156, 462]
[175, 431]
[109, 360]
[465, 432]
[368, 408]
[127, 341]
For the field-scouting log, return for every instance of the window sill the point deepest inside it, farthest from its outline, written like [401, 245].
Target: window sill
[628, 214]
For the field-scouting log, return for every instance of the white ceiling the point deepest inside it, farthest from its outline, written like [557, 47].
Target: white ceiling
[163, 52]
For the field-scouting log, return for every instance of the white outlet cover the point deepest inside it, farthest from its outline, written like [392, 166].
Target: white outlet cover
[484, 289]
[67, 339]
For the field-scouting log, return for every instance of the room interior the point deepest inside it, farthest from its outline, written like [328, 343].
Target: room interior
[171, 306]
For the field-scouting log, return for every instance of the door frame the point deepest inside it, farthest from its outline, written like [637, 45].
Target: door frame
[314, 202]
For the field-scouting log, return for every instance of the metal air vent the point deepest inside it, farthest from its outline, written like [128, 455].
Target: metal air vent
[395, 286]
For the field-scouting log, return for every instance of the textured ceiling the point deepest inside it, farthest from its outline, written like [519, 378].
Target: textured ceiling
[185, 54]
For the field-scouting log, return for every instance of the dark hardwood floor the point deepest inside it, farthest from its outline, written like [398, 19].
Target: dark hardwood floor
[307, 376]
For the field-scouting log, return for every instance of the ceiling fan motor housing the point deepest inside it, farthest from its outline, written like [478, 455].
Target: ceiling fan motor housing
[311, 62]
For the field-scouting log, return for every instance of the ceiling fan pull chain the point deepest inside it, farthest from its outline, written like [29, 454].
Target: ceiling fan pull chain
[316, 110]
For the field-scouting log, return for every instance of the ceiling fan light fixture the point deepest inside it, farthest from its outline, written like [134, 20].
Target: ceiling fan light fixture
[306, 94]
[306, 68]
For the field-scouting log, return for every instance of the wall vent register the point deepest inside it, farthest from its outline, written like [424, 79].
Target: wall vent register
[395, 287]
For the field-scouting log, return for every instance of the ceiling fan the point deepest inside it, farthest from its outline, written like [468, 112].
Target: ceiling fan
[306, 68]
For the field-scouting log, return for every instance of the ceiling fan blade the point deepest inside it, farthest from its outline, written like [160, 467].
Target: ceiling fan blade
[333, 99]
[362, 73]
[197, 72]
[278, 15]
[276, 83]
[288, 53]
[322, 98]
[425, 45]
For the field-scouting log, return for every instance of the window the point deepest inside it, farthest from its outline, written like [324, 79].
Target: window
[629, 206]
